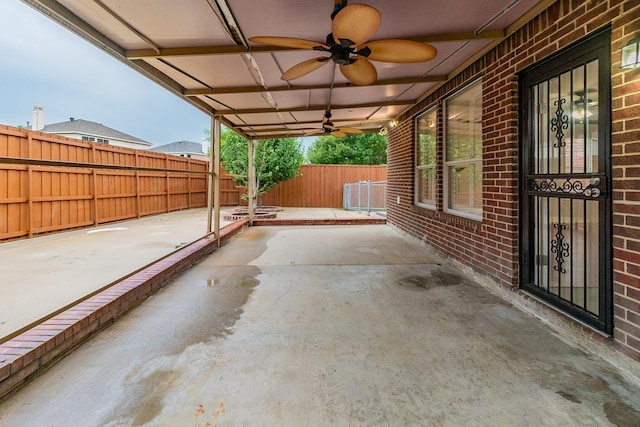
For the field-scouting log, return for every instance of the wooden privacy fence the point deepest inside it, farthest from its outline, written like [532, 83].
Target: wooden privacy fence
[45, 186]
[320, 186]
[119, 183]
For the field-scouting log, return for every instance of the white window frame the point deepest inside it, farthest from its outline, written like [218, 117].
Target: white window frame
[430, 204]
[448, 165]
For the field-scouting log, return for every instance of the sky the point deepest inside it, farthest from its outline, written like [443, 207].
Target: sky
[42, 63]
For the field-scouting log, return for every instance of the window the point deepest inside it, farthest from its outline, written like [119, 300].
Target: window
[463, 153]
[426, 159]
[103, 141]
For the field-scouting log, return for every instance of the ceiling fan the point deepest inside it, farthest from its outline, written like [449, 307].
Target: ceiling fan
[329, 129]
[583, 107]
[348, 46]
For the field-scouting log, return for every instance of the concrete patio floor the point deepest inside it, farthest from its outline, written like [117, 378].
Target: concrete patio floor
[44, 274]
[325, 326]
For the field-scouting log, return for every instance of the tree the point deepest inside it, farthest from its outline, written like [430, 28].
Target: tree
[275, 160]
[364, 149]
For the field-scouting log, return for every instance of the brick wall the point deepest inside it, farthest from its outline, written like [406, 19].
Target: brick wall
[625, 140]
[490, 247]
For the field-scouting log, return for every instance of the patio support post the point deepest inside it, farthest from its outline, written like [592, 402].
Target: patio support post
[252, 175]
[210, 177]
[216, 176]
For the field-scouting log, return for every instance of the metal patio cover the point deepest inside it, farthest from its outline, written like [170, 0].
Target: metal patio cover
[199, 50]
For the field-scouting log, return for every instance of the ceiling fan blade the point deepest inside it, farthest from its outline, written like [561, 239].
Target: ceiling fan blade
[352, 130]
[400, 51]
[356, 22]
[314, 132]
[362, 72]
[287, 42]
[304, 68]
[344, 129]
[339, 134]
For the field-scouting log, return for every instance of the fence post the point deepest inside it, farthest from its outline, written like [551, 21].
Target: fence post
[30, 187]
[168, 182]
[30, 201]
[189, 183]
[344, 197]
[384, 199]
[94, 186]
[138, 206]
[359, 196]
[368, 197]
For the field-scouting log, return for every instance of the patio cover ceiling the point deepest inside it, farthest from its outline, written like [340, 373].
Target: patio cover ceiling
[199, 50]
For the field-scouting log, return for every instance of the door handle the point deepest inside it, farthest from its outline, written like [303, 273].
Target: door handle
[593, 190]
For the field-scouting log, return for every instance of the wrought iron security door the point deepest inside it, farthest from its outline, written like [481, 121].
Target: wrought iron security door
[565, 186]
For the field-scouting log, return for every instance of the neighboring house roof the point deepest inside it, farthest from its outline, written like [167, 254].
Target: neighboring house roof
[186, 147]
[90, 128]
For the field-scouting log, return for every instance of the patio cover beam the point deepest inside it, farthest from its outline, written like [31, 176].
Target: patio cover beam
[247, 126]
[235, 49]
[298, 132]
[288, 88]
[312, 108]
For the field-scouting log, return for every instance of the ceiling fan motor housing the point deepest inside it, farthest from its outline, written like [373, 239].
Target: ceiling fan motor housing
[341, 55]
[340, 52]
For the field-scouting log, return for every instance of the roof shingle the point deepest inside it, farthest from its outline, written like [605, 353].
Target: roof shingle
[90, 128]
[180, 147]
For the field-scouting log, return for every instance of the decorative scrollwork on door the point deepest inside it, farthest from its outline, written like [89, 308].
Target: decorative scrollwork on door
[571, 186]
[559, 123]
[560, 248]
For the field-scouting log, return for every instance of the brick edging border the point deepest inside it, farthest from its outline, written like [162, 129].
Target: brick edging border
[28, 354]
[319, 221]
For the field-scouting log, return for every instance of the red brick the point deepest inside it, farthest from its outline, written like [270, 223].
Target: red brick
[628, 328]
[35, 336]
[16, 365]
[25, 371]
[634, 343]
[629, 304]
[5, 370]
